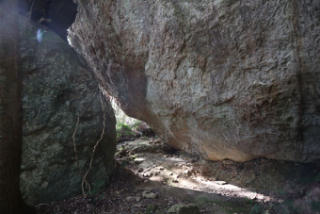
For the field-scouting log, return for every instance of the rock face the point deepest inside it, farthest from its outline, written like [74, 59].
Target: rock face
[64, 117]
[224, 79]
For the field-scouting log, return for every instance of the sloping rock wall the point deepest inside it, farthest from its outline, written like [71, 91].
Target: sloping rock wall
[224, 79]
[64, 116]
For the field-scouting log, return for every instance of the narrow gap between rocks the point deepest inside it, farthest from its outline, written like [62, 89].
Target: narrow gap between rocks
[152, 177]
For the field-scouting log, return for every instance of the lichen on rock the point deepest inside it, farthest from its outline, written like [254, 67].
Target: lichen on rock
[64, 117]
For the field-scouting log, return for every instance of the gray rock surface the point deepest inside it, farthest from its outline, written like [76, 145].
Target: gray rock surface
[63, 113]
[224, 79]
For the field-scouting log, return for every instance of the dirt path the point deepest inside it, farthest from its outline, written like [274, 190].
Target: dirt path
[153, 178]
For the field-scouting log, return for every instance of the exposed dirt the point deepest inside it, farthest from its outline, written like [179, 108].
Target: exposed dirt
[152, 177]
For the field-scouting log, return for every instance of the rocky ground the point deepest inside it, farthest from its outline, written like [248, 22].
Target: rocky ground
[154, 178]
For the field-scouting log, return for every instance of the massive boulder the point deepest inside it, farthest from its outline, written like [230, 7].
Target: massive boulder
[64, 118]
[224, 79]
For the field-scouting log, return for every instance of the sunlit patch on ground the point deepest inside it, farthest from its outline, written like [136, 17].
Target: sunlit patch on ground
[148, 160]
[151, 178]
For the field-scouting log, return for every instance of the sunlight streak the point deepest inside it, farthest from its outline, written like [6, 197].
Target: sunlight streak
[198, 183]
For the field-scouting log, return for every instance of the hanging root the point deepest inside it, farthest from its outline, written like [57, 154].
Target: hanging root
[85, 185]
[75, 150]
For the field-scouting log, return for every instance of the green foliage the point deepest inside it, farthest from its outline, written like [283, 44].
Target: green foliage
[124, 130]
[122, 126]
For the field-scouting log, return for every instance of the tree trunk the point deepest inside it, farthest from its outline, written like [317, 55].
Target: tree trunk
[10, 110]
